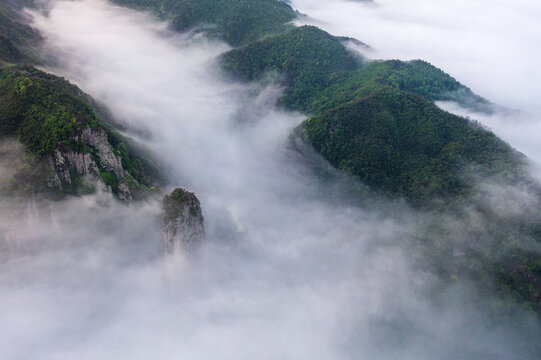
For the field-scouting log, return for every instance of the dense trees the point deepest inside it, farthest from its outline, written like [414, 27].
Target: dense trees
[45, 112]
[373, 119]
[377, 121]
[400, 143]
[235, 21]
[310, 59]
[40, 109]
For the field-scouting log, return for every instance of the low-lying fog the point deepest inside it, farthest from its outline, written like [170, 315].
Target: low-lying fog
[490, 46]
[285, 271]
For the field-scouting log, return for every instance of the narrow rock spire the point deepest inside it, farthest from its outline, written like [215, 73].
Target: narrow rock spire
[182, 225]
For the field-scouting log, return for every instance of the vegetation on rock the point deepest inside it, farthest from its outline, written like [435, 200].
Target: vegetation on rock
[373, 119]
[50, 116]
[182, 223]
[377, 120]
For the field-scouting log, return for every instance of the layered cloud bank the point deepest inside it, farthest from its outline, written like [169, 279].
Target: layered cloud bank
[492, 47]
[286, 272]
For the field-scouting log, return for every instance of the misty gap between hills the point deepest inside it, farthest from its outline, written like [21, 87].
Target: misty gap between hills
[285, 271]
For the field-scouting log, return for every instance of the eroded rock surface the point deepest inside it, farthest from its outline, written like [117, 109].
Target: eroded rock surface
[67, 164]
[182, 226]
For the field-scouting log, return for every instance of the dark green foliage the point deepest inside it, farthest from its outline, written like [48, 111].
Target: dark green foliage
[77, 187]
[310, 59]
[378, 122]
[413, 76]
[109, 179]
[135, 160]
[8, 52]
[499, 252]
[402, 144]
[235, 21]
[40, 109]
[375, 120]
[17, 40]
[46, 113]
[178, 200]
[417, 76]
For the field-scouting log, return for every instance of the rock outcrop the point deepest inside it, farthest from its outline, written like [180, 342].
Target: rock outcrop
[65, 162]
[182, 226]
[97, 139]
[99, 158]
[72, 150]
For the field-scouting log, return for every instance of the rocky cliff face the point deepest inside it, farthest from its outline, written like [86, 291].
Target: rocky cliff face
[98, 164]
[73, 151]
[97, 139]
[182, 226]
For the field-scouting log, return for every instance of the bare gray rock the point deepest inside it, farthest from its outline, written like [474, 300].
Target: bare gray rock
[124, 191]
[182, 226]
[109, 161]
[67, 164]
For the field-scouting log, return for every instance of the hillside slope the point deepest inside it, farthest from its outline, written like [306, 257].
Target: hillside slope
[18, 41]
[400, 143]
[377, 120]
[56, 143]
[235, 21]
[68, 147]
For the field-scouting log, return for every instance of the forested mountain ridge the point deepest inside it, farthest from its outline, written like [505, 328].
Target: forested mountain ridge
[419, 161]
[377, 120]
[66, 147]
[237, 22]
[373, 119]
[18, 41]
[398, 142]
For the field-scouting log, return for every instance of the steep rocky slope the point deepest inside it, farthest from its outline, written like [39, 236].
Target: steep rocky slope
[69, 150]
[182, 223]
[66, 147]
